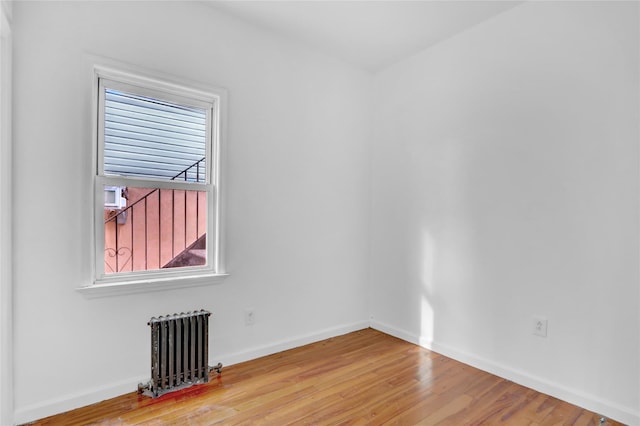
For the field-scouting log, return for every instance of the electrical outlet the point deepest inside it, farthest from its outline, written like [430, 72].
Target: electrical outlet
[249, 316]
[540, 326]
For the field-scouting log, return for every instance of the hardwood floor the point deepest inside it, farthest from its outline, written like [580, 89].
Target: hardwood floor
[362, 378]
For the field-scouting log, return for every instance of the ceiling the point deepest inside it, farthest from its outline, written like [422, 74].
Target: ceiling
[368, 34]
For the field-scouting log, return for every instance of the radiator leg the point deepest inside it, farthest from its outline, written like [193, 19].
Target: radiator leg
[217, 368]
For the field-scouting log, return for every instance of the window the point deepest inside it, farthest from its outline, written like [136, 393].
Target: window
[157, 195]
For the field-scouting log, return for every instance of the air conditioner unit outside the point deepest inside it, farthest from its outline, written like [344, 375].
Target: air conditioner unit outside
[113, 198]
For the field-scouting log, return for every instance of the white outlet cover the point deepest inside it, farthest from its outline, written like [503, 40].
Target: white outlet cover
[539, 326]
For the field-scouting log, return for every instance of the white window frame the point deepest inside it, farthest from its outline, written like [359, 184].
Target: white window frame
[213, 101]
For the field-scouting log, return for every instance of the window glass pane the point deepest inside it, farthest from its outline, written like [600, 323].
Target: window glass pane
[154, 229]
[152, 138]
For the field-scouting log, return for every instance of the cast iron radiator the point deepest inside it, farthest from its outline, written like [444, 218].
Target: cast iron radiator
[179, 352]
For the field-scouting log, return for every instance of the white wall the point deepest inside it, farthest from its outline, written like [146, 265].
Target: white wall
[505, 185]
[6, 297]
[297, 161]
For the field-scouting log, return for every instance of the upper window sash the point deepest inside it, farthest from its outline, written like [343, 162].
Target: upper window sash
[209, 106]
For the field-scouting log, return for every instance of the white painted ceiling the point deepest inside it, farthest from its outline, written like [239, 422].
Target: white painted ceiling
[368, 34]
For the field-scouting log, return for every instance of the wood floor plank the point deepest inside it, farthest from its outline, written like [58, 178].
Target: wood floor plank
[452, 407]
[362, 378]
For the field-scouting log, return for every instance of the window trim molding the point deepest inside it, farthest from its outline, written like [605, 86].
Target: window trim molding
[149, 285]
[143, 281]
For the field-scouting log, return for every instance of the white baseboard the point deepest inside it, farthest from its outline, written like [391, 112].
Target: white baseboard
[605, 408]
[76, 400]
[283, 345]
[97, 394]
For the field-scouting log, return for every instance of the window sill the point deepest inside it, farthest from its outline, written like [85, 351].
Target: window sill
[145, 286]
